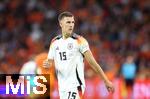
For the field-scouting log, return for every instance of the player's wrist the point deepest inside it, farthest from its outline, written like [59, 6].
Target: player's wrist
[106, 80]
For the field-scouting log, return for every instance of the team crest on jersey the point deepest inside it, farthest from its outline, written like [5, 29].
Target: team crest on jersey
[70, 46]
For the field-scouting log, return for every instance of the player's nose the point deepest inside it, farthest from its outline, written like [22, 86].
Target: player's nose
[71, 25]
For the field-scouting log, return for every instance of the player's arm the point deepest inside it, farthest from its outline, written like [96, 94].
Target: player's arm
[97, 68]
[50, 58]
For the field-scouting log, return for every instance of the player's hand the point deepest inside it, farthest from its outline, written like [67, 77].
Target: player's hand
[109, 86]
[46, 63]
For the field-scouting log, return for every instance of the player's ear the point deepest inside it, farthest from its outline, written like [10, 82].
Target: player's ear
[60, 23]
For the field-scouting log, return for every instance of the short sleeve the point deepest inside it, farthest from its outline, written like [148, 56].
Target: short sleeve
[83, 45]
[51, 51]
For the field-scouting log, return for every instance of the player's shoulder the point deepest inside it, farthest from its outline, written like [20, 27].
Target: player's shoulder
[56, 38]
[77, 36]
[80, 39]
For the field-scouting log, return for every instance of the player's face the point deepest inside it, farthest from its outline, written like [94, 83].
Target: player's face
[67, 25]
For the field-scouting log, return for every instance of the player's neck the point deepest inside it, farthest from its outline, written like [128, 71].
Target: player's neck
[66, 35]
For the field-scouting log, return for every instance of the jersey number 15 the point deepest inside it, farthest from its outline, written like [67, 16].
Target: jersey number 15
[63, 56]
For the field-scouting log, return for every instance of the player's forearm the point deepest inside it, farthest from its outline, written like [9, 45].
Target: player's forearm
[97, 68]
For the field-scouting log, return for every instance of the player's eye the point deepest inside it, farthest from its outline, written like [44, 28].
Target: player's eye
[68, 22]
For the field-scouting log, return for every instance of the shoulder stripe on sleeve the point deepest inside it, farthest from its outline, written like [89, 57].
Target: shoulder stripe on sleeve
[81, 40]
[56, 38]
[75, 36]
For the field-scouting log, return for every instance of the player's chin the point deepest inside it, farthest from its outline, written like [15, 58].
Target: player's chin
[69, 33]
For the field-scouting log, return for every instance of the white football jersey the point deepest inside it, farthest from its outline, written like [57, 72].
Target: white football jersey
[68, 58]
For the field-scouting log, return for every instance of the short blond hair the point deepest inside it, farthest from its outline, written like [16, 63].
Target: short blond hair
[65, 14]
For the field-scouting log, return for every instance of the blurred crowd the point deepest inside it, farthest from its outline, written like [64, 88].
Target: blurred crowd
[118, 32]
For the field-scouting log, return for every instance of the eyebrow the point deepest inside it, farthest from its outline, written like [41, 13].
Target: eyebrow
[70, 21]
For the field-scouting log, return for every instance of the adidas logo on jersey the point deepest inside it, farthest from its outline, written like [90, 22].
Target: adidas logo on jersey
[57, 48]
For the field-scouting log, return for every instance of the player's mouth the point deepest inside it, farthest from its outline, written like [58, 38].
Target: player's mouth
[70, 29]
